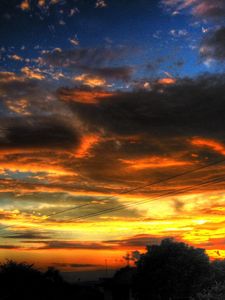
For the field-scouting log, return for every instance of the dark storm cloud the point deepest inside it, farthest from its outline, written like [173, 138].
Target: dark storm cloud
[136, 241]
[39, 132]
[83, 57]
[8, 247]
[55, 197]
[95, 61]
[28, 235]
[115, 73]
[65, 202]
[187, 108]
[73, 245]
[23, 95]
[213, 46]
[178, 205]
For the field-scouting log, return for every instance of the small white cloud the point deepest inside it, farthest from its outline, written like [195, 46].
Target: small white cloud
[178, 33]
[209, 62]
[73, 11]
[100, 4]
[74, 41]
[175, 13]
[157, 34]
[205, 30]
[62, 23]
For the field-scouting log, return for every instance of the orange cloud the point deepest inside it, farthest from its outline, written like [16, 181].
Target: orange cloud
[90, 97]
[215, 146]
[16, 57]
[20, 106]
[41, 2]
[32, 74]
[9, 76]
[154, 162]
[25, 162]
[86, 145]
[167, 81]
[25, 5]
[90, 80]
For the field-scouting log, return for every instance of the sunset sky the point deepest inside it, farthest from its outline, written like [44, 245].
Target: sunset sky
[104, 104]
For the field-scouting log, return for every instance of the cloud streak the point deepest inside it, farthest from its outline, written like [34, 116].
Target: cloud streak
[199, 8]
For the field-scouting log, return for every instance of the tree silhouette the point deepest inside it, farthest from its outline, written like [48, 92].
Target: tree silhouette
[216, 288]
[23, 281]
[20, 280]
[214, 292]
[218, 271]
[170, 270]
[53, 275]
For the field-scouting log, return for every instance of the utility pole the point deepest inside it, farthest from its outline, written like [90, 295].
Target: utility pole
[128, 259]
[106, 267]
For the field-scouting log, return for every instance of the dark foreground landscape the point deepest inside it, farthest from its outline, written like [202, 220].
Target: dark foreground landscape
[168, 271]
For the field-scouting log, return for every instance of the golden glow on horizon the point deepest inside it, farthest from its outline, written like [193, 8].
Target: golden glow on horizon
[198, 229]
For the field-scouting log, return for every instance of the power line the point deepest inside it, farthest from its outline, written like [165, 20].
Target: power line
[154, 183]
[126, 192]
[172, 193]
